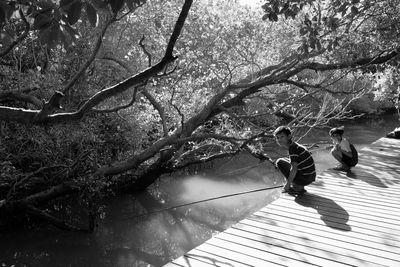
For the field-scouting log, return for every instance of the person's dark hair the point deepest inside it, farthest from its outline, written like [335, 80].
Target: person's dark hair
[282, 129]
[337, 130]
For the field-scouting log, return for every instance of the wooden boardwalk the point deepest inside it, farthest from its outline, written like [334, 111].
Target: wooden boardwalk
[344, 219]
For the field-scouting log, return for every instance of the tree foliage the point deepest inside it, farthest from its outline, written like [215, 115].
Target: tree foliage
[55, 21]
[132, 90]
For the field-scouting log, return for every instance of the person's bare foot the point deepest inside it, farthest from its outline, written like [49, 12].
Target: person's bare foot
[342, 167]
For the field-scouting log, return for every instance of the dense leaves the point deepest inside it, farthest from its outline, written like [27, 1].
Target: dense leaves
[151, 90]
[56, 20]
[319, 18]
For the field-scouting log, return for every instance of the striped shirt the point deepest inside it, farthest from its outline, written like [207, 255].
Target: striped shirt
[305, 162]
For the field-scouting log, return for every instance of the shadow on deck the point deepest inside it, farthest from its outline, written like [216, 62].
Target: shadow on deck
[345, 219]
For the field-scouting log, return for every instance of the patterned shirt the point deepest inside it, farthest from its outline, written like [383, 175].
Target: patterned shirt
[302, 156]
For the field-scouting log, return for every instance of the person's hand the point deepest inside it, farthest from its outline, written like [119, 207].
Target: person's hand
[286, 187]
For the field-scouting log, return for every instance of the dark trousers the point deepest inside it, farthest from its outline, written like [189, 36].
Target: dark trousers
[284, 166]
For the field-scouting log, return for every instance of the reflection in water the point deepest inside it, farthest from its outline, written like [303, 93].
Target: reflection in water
[135, 232]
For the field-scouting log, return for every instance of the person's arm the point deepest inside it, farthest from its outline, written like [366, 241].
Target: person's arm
[292, 174]
[349, 154]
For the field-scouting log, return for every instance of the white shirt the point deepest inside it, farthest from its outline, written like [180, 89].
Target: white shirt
[345, 145]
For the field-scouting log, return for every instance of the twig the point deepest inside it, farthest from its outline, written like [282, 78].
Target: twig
[145, 50]
[116, 109]
[29, 175]
[159, 108]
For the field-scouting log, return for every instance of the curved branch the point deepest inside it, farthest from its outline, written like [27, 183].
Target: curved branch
[30, 116]
[379, 59]
[61, 224]
[179, 112]
[42, 197]
[199, 137]
[304, 85]
[145, 50]
[159, 108]
[205, 159]
[253, 87]
[22, 97]
[116, 109]
[17, 114]
[136, 160]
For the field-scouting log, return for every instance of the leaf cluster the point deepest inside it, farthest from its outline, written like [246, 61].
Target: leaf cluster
[55, 21]
[317, 19]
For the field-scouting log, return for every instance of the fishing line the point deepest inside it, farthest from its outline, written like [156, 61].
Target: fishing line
[267, 159]
[203, 200]
[219, 197]
[240, 169]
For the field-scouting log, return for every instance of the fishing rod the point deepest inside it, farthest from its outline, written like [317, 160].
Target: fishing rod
[259, 155]
[203, 200]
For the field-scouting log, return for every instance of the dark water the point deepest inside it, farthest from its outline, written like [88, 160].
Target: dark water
[146, 230]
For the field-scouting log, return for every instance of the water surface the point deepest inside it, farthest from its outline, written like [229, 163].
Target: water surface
[146, 229]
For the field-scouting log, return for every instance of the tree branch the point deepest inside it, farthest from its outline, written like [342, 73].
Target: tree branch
[91, 58]
[159, 108]
[199, 137]
[145, 50]
[116, 109]
[168, 56]
[28, 204]
[17, 95]
[379, 59]
[205, 159]
[253, 87]
[304, 85]
[30, 116]
[61, 224]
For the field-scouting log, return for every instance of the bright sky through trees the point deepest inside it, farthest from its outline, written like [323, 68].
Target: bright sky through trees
[252, 3]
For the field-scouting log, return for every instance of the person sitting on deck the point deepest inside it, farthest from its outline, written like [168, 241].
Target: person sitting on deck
[342, 150]
[299, 169]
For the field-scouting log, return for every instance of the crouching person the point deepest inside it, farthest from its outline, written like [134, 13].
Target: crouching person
[299, 168]
[343, 151]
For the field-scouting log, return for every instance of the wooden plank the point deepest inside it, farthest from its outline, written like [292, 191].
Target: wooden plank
[324, 208]
[314, 198]
[355, 178]
[382, 225]
[344, 220]
[334, 223]
[191, 260]
[268, 251]
[350, 205]
[288, 222]
[235, 257]
[350, 255]
[353, 198]
[358, 180]
[304, 233]
[363, 194]
[378, 185]
[174, 264]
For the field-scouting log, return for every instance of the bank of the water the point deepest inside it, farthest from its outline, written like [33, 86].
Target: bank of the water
[144, 230]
